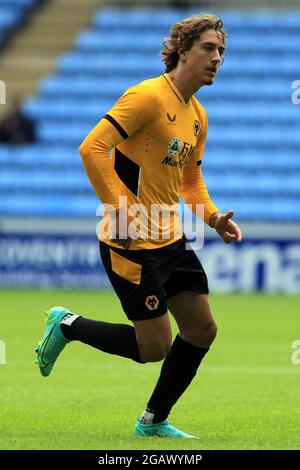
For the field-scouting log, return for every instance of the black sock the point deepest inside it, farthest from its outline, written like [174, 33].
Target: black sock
[108, 337]
[177, 372]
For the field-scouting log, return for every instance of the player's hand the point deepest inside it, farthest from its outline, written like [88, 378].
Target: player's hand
[227, 228]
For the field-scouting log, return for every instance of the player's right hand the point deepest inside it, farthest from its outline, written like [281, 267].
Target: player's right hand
[227, 228]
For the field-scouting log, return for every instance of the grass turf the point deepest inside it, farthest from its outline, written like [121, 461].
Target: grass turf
[246, 395]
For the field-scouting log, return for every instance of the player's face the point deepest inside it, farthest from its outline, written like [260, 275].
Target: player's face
[205, 57]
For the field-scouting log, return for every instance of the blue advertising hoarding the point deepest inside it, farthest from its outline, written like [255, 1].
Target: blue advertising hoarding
[73, 261]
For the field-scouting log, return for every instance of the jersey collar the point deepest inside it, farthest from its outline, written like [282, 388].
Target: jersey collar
[175, 90]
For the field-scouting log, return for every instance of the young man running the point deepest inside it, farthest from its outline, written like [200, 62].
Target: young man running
[157, 131]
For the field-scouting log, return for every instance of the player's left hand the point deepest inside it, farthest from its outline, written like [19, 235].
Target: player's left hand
[227, 228]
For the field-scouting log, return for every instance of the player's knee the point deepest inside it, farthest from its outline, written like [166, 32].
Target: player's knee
[154, 351]
[199, 336]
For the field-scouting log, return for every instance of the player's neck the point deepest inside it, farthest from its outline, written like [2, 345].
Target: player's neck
[186, 85]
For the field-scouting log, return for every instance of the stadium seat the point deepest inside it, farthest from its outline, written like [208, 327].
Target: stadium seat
[12, 13]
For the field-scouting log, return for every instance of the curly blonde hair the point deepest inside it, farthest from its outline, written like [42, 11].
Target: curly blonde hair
[183, 35]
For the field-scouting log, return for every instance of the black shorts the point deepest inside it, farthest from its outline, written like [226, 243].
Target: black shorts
[145, 279]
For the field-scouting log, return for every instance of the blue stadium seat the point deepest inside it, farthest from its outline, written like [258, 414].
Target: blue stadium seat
[49, 205]
[47, 110]
[92, 40]
[17, 3]
[39, 155]
[11, 14]
[44, 180]
[9, 17]
[64, 133]
[136, 18]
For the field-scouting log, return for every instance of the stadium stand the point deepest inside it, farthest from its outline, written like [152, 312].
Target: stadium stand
[31, 53]
[252, 153]
[12, 14]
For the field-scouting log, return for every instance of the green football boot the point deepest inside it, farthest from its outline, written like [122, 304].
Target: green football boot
[53, 341]
[163, 429]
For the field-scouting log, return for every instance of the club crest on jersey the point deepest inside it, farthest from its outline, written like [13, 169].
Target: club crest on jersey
[174, 147]
[196, 128]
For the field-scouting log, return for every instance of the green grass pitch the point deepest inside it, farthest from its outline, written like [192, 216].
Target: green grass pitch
[245, 396]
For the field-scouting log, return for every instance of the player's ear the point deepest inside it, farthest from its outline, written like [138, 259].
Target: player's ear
[182, 54]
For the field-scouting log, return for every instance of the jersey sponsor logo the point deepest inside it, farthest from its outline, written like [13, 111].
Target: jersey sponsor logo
[174, 147]
[179, 153]
[152, 302]
[172, 119]
[171, 162]
[196, 128]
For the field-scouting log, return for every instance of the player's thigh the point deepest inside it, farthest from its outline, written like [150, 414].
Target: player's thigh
[192, 313]
[142, 297]
[135, 283]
